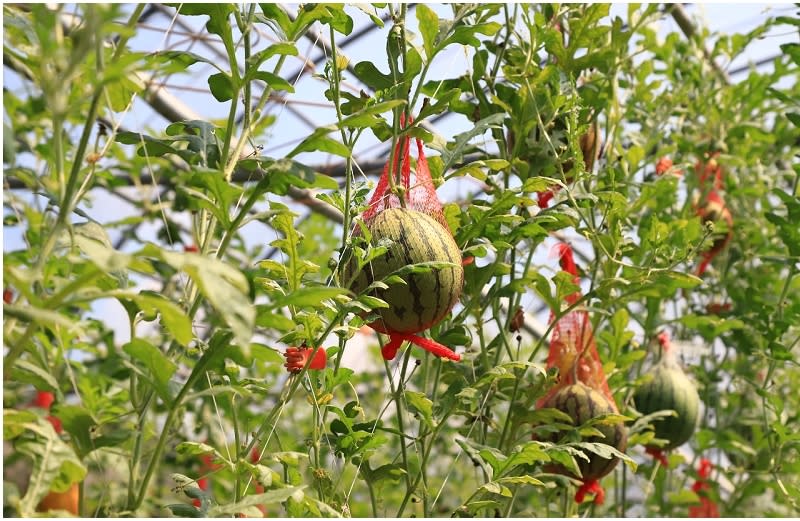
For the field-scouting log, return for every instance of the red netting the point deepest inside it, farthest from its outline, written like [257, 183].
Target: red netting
[712, 207]
[707, 507]
[420, 196]
[574, 353]
[572, 347]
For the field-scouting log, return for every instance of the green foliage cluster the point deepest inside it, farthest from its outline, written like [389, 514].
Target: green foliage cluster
[201, 378]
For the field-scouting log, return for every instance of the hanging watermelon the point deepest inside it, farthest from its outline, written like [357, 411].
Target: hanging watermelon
[426, 297]
[582, 403]
[668, 388]
[412, 220]
[582, 390]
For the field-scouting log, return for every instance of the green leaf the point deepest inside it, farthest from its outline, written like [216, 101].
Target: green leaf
[684, 497]
[605, 451]
[28, 372]
[368, 116]
[55, 465]
[178, 60]
[252, 501]
[44, 317]
[222, 86]
[280, 48]
[521, 480]
[173, 317]
[157, 364]
[183, 510]
[454, 153]
[530, 453]
[309, 296]
[493, 487]
[192, 448]
[429, 27]
[465, 34]
[15, 422]
[218, 14]
[423, 405]
[372, 77]
[793, 50]
[280, 174]
[565, 285]
[269, 318]
[711, 326]
[319, 141]
[477, 169]
[149, 146]
[273, 80]
[225, 287]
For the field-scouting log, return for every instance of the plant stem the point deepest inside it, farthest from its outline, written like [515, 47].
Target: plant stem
[397, 392]
[197, 372]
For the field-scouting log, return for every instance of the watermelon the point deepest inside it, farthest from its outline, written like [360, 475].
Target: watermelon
[426, 297]
[582, 403]
[670, 389]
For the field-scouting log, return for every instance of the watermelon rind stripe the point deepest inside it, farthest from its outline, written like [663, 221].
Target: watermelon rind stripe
[427, 297]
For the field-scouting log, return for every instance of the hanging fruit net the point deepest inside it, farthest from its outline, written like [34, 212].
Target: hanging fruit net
[712, 207]
[421, 197]
[574, 353]
[572, 346]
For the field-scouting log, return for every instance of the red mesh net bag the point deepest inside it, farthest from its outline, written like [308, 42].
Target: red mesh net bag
[572, 347]
[712, 207]
[420, 196]
[574, 353]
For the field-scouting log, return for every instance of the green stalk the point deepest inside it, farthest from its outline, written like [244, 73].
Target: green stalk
[397, 392]
[199, 370]
[425, 456]
[335, 86]
[238, 492]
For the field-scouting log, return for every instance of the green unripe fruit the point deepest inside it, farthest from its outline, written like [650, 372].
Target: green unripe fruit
[426, 297]
[582, 403]
[670, 389]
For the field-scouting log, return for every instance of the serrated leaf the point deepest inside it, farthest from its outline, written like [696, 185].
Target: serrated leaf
[423, 405]
[225, 287]
[309, 296]
[55, 465]
[273, 496]
[428, 27]
[157, 364]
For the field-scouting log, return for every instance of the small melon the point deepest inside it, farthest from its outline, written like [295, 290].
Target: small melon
[670, 389]
[582, 403]
[426, 297]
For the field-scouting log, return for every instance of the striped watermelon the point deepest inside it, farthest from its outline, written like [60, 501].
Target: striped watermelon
[582, 403]
[426, 297]
[670, 389]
